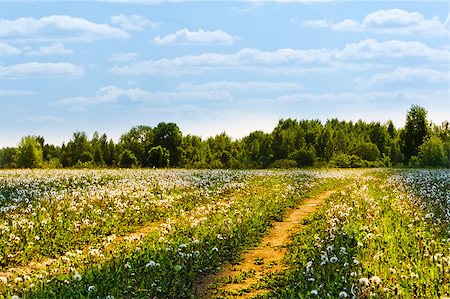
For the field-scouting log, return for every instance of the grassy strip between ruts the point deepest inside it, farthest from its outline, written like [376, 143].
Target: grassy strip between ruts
[167, 264]
[373, 240]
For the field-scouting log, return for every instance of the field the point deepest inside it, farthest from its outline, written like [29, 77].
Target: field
[161, 233]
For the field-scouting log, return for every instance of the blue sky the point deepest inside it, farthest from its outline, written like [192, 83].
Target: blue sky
[234, 66]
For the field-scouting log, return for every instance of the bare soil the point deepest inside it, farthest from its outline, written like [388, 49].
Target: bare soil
[242, 280]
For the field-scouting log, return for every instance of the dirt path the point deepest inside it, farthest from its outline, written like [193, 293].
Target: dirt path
[241, 281]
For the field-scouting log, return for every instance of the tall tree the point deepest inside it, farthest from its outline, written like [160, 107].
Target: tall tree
[415, 132]
[29, 153]
[169, 136]
[139, 140]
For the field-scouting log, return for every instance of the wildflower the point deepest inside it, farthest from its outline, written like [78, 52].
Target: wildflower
[375, 280]
[353, 274]
[15, 297]
[314, 292]
[127, 266]
[333, 259]
[364, 281]
[343, 294]
[91, 289]
[4, 279]
[150, 264]
[77, 276]
[18, 279]
[215, 249]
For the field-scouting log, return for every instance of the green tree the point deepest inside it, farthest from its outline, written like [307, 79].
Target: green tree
[7, 157]
[169, 136]
[127, 159]
[29, 153]
[158, 156]
[415, 132]
[367, 151]
[193, 152]
[432, 152]
[139, 140]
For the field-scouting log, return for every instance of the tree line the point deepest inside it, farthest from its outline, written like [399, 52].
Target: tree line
[292, 143]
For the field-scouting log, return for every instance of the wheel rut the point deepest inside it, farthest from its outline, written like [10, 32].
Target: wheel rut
[242, 280]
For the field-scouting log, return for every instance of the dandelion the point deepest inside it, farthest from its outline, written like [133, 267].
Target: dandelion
[364, 281]
[343, 294]
[375, 280]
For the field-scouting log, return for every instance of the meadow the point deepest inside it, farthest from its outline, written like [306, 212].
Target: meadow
[143, 233]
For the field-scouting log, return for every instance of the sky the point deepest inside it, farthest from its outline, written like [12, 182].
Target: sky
[215, 66]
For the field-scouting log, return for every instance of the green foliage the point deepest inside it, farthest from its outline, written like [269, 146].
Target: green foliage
[367, 151]
[304, 156]
[127, 159]
[7, 157]
[158, 156]
[308, 142]
[284, 164]
[415, 132]
[29, 153]
[432, 152]
[169, 136]
[347, 161]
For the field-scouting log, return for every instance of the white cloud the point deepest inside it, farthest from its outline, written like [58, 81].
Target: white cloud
[391, 21]
[54, 49]
[371, 49]
[38, 69]
[123, 57]
[316, 23]
[285, 61]
[187, 37]
[407, 75]
[342, 97]
[58, 29]
[112, 94]
[133, 22]
[246, 86]
[15, 92]
[7, 50]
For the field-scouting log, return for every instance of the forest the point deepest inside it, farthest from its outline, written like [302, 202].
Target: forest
[292, 143]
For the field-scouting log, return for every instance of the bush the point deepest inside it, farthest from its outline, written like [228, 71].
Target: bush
[432, 153]
[347, 161]
[304, 157]
[284, 163]
[127, 159]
